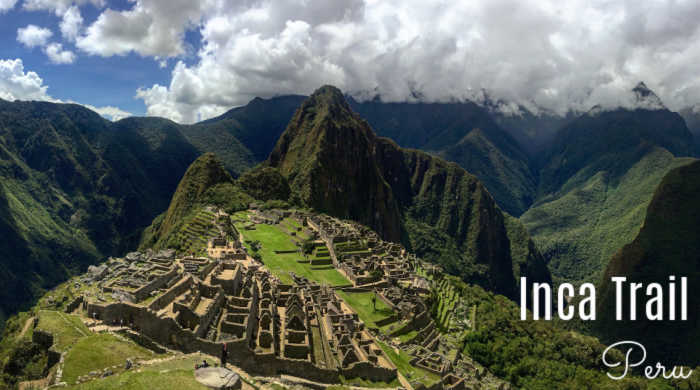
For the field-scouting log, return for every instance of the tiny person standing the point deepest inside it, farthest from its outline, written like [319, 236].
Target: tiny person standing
[224, 354]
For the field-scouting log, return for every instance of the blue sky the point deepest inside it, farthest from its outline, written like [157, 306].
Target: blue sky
[190, 60]
[91, 79]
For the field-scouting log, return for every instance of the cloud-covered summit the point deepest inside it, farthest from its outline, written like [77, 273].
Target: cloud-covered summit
[540, 55]
[551, 55]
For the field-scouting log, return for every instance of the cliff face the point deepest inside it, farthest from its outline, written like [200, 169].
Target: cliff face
[336, 164]
[328, 155]
[668, 244]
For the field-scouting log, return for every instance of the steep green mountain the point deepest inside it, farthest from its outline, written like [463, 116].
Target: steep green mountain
[534, 132]
[265, 183]
[257, 125]
[75, 187]
[596, 182]
[205, 182]
[667, 244]
[334, 163]
[464, 133]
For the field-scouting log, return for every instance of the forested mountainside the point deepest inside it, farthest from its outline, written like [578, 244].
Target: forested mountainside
[668, 244]
[334, 163]
[596, 182]
[76, 188]
[461, 132]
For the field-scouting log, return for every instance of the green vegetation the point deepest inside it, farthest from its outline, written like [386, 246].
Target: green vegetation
[192, 237]
[413, 374]
[445, 297]
[265, 183]
[534, 354]
[77, 188]
[464, 133]
[185, 226]
[596, 181]
[97, 352]
[172, 373]
[336, 164]
[174, 379]
[581, 227]
[273, 238]
[363, 304]
[668, 244]
[67, 329]
[359, 382]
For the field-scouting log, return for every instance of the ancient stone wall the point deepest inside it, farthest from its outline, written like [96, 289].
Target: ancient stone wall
[74, 304]
[170, 295]
[143, 292]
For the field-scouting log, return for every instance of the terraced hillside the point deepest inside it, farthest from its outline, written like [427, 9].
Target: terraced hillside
[196, 233]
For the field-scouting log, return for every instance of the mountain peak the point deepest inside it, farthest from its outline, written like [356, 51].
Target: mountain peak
[645, 98]
[329, 95]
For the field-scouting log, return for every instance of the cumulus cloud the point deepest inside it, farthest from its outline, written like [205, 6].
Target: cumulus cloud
[58, 55]
[15, 83]
[71, 23]
[150, 28]
[31, 35]
[540, 55]
[57, 6]
[6, 5]
[110, 112]
[18, 84]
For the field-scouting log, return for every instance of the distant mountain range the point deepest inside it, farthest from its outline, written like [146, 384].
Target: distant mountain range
[76, 188]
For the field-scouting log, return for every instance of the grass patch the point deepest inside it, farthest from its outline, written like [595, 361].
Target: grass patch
[98, 352]
[132, 380]
[401, 361]
[67, 329]
[273, 238]
[408, 336]
[362, 304]
[366, 383]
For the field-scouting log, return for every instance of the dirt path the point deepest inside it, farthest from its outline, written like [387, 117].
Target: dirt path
[26, 328]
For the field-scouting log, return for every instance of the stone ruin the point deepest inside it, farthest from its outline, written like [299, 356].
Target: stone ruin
[303, 329]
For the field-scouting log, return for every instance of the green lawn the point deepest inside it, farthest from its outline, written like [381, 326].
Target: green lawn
[408, 336]
[172, 380]
[401, 360]
[177, 374]
[359, 382]
[274, 238]
[362, 304]
[101, 351]
[66, 328]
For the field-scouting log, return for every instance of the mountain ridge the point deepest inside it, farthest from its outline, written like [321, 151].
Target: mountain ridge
[440, 208]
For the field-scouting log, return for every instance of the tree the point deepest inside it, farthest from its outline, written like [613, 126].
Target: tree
[374, 302]
[308, 247]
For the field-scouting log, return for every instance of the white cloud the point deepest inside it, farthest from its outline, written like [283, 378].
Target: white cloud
[58, 6]
[71, 23]
[18, 84]
[15, 83]
[543, 54]
[6, 5]
[32, 35]
[150, 28]
[57, 55]
[110, 112]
